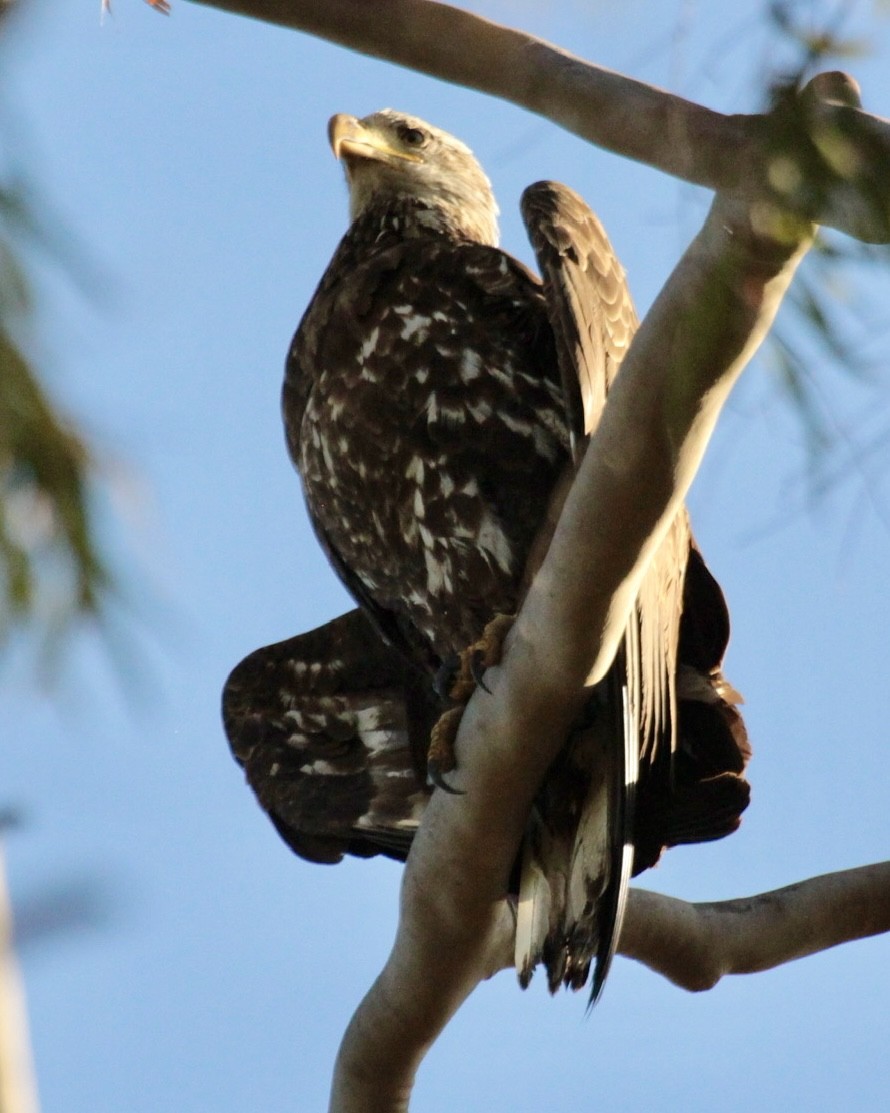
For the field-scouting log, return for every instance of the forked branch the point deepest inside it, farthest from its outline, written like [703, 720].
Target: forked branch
[695, 945]
[815, 158]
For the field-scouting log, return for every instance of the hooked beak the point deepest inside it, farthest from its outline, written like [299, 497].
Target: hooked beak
[350, 139]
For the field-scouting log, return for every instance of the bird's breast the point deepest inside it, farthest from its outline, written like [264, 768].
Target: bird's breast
[428, 446]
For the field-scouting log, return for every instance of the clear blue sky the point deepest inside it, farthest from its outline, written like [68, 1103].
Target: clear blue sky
[189, 156]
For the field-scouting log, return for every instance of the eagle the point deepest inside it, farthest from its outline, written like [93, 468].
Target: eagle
[437, 398]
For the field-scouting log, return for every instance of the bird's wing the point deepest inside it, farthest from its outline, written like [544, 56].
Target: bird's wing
[706, 792]
[676, 746]
[400, 636]
[330, 728]
[588, 302]
[575, 878]
[593, 320]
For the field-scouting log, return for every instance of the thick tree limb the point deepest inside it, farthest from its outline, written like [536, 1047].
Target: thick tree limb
[691, 348]
[695, 945]
[822, 157]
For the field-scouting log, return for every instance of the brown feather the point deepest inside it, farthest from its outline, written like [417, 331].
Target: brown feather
[436, 400]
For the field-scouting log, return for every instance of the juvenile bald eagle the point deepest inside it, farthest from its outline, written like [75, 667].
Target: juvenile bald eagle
[435, 392]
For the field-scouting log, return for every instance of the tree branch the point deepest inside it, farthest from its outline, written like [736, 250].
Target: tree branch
[18, 1088]
[695, 945]
[815, 156]
[827, 162]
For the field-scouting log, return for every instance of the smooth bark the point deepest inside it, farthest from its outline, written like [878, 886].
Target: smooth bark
[695, 945]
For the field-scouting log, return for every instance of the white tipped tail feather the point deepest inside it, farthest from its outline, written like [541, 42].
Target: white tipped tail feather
[575, 873]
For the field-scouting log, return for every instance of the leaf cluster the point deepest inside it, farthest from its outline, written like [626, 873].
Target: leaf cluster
[50, 567]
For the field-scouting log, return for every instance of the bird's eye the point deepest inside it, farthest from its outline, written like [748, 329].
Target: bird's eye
[413, 137]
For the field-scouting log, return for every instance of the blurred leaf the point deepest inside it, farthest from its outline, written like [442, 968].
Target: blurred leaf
[832, 302]
[50, 567]
[10, 818]
[816, 35]
[837, 326]
[62, 907]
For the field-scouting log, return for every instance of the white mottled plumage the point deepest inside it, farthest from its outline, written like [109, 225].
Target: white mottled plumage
[435, 393]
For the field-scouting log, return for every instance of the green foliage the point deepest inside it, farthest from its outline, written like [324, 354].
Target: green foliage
[50, 568]
[815, 32]
[831, 308]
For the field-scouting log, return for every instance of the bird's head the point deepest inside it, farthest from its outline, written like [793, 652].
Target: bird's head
[390, 158]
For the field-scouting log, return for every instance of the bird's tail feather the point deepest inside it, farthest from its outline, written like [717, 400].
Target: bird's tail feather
[532, 909]
[578, 852]
[614, 902]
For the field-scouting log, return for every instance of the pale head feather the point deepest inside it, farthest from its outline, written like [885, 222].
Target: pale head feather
[390, 156]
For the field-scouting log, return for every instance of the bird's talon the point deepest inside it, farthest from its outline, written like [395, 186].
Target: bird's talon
[436, 777]
[478, 665]
[440, 758]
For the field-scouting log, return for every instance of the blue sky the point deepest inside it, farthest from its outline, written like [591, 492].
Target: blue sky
[188, 155]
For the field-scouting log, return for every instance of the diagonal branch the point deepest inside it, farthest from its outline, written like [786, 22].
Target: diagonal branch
[824, 160]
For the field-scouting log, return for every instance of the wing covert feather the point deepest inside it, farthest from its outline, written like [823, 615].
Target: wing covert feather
[331, 729]
[590, 308]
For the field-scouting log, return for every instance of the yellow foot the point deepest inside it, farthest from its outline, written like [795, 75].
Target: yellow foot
[478, 657]
[440, 758]
[467, 676]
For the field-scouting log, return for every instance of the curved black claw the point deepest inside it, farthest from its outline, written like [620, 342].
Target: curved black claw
[437, 779]
[477, 669]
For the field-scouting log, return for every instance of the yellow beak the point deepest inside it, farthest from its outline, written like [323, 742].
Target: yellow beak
[349, 138]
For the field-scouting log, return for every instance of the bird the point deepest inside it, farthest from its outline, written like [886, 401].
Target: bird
[438, 396]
